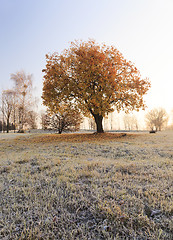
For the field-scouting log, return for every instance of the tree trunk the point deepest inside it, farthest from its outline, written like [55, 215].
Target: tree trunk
[14, 119]
[98, 119]
[8, 125]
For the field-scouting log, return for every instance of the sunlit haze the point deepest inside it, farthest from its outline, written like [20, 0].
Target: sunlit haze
[141, 30]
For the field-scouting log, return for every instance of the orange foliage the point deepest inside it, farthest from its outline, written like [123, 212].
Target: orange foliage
[95, 77]
[78, 137]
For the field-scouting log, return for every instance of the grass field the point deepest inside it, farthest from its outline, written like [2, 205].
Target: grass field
[86, 186]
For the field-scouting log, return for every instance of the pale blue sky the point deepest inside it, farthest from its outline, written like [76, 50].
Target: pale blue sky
[141, 29]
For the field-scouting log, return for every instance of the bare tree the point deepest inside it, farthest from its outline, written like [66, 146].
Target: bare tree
[92, 124]
[14, 110]
[23, 90]
[0, 126]
[156, 119]
[45, 120]
[31, 119]
[7, 106]
[65, 118]
[130, 122]
[2, 112]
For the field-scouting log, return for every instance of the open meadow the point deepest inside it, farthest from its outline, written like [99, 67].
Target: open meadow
[86, 186]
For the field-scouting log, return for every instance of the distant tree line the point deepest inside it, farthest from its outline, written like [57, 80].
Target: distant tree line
[130, 122]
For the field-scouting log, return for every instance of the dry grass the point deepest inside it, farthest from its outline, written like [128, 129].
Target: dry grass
[87, 186]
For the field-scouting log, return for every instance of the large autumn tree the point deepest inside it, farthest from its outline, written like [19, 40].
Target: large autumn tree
[94, 77]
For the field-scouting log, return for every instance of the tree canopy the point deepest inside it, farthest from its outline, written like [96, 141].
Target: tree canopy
[96, 78]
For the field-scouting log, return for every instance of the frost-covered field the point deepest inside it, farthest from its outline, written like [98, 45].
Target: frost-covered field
[86, 186]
